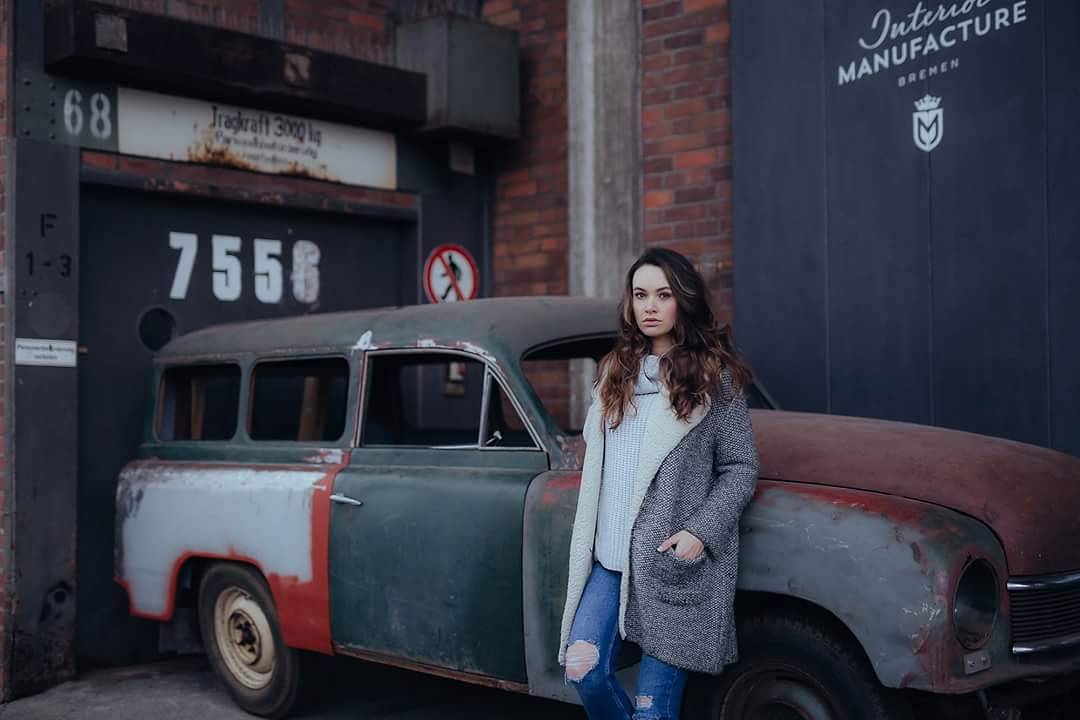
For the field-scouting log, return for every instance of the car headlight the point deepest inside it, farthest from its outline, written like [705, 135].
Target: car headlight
[976, 606]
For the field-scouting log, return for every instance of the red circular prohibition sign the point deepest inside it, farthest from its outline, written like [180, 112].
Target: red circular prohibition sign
[450, 274]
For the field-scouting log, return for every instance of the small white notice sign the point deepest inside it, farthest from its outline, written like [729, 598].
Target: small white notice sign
[55, 353]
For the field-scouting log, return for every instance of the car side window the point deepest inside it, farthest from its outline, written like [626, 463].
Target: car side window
[299, 400]
[422, 399]
[503, 426]
[198, 402]
[441, 400]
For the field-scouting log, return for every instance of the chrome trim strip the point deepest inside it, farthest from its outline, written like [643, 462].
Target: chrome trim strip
[1044, 582]
[1054, 644]
[485, 407]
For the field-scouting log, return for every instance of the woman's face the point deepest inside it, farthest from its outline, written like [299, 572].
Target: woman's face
[654, 304]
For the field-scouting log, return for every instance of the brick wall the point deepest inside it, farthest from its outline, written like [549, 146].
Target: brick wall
[239, 15]
[532, 210]
[686, 135]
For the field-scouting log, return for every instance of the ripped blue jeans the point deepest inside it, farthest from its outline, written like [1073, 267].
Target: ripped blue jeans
[590, 660]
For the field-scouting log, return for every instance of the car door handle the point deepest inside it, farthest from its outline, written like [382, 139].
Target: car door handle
[345, 500]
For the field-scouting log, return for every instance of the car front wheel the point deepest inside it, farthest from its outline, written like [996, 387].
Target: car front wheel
[243, 641]
[793, 667]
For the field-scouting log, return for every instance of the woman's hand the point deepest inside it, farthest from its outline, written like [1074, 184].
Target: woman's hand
[687, 547]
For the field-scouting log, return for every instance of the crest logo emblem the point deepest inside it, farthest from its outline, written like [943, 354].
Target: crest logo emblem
[928, 123]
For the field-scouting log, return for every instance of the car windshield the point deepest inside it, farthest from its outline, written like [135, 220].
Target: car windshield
[562, 372]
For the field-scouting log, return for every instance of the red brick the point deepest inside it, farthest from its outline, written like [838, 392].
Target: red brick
[658, 199]
[656, 165]
[718, 34]
[520, 189]
[662, 27]
[696, 159]
[658, 62]
[658, 12]
[689, 212]
[658, 234]
[696, 5]
[693, 38]
[682, 108]
[681, 143]
[497, 7]
[692, 195]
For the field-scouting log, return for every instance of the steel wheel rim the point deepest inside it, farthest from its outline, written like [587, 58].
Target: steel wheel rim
[243, 637]
[777, 692]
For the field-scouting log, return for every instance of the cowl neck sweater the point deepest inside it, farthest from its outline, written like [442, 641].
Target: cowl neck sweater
[622, 445]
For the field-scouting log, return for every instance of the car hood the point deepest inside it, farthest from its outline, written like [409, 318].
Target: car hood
[1029, 495]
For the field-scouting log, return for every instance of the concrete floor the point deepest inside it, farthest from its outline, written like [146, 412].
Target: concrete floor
[187, 690]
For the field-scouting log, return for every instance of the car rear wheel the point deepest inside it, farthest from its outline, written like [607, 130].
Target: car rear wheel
[795, 668]
[243, 641]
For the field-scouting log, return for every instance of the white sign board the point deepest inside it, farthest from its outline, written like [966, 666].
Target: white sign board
[186, 130]
[54, 353]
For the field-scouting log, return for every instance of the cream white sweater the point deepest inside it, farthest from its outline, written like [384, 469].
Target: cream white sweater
[621, 450]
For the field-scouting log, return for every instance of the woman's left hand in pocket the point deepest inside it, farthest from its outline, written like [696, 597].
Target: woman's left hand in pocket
[687, 547]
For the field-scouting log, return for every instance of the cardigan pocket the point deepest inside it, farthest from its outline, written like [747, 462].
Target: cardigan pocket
[678, 581]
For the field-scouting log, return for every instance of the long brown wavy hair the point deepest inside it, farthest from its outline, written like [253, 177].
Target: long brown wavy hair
[702, 350]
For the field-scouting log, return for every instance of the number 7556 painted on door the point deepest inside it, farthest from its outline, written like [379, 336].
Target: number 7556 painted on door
[227, 269]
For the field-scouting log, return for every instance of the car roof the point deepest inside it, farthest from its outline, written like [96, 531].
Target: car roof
[504, 327]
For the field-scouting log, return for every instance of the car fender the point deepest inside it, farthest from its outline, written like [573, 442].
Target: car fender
[885, 566]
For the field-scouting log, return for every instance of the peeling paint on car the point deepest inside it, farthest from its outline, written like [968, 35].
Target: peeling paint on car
[274, 518]
[476, 350]
[364, 343]
[332, 456]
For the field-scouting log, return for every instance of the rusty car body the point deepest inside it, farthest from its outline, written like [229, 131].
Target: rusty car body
[947, 561]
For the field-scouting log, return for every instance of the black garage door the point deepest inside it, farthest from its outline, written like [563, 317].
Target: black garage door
[151, 262]
[905, 210]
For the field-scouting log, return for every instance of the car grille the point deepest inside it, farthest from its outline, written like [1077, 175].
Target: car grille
[1045, 612]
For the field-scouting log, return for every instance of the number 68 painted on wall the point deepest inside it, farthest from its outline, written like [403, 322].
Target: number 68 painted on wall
[228, 272]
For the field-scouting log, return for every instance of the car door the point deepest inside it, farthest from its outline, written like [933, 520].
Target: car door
[426, 521]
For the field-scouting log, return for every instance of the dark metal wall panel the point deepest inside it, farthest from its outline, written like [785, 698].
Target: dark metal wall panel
[779, 196]
[46, 293]
[455, 207]
[989, 238]
[877, 201]
[950, 262]
[130, 268]
[1063, 219]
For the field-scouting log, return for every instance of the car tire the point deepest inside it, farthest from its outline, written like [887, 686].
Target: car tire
[798, 667]
[242, 638]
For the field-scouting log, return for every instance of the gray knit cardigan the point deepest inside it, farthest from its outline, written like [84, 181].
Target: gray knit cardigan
[696, 475]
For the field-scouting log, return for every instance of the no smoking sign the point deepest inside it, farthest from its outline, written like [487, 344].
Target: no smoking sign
[450, 274]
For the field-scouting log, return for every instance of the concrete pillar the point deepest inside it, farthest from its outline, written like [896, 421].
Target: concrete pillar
[603, 77]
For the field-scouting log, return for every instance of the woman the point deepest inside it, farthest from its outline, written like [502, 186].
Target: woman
[669, 466]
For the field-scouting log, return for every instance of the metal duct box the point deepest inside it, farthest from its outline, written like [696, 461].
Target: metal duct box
[472, 74]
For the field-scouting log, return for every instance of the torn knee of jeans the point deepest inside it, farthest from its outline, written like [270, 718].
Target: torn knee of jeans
[644, 702]
[581, 657]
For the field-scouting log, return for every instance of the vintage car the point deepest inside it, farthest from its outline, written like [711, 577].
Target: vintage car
[398, 485]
